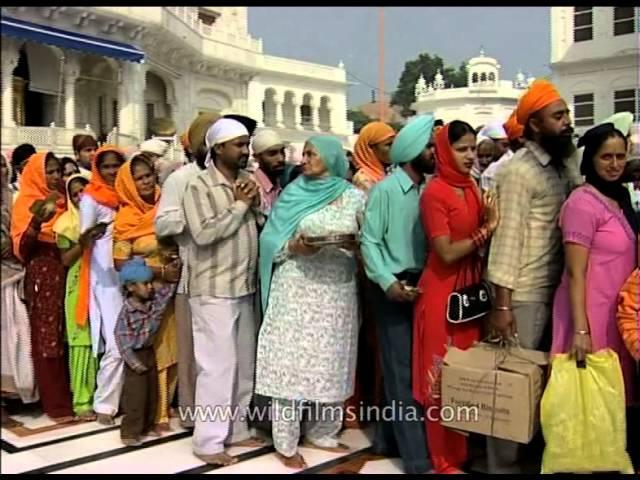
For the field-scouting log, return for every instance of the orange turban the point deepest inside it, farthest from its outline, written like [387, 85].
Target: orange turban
[184, 140]
[364, 157]
[513, 128]
[540, 94]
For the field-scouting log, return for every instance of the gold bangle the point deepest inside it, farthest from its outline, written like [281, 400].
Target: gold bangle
[582, 332]
[503, 309]
[162, 272]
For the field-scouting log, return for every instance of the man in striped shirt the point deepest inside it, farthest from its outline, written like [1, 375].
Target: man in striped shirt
[526, 253]
[220, 205]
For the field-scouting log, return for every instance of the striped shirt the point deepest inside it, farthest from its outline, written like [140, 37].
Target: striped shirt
[526, 253]
[223, 254]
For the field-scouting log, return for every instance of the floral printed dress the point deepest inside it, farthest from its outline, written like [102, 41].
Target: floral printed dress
[307, 346]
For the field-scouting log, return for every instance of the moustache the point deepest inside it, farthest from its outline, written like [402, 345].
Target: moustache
[567, 131]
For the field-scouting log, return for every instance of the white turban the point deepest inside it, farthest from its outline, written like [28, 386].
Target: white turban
[481, 138]
[155, 146]
[222, 131]
[494, 131]
[264, 140]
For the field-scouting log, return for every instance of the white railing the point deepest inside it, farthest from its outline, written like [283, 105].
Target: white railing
[52, 138]
[114, 137]
[57, 139]
[189, 15]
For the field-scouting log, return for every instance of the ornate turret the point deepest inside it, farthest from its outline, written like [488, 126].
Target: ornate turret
[438, 81]
[521, 81]
[421, 87]
[483, 71]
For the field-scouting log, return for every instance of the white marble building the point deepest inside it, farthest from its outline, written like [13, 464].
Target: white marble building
[595, 54]
[110, 70]
[485, 98]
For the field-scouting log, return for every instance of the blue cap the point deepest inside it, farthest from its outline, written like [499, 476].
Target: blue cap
[135, 270]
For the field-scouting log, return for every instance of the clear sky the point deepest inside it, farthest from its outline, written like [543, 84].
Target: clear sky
[519, 37]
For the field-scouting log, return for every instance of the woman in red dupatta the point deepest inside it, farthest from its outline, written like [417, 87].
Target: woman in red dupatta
[453, 215]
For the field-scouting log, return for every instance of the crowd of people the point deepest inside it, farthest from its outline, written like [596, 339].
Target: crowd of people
[131, 285]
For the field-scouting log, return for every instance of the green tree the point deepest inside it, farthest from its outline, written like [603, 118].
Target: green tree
[427, 66]
[358, 118]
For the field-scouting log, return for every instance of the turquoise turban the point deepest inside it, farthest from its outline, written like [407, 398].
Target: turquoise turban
[412, 139]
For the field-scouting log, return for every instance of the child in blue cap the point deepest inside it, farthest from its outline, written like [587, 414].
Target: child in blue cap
[137, 324]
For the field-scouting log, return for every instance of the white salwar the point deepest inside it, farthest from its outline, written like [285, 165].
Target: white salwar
[105, 303]
[17, 365]
[224, 339]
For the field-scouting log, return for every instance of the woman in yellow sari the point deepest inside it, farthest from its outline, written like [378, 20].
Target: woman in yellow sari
[134, 234]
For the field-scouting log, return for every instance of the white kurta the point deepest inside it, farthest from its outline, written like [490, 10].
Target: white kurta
[106, 294]
[105, 304]
[307, 346]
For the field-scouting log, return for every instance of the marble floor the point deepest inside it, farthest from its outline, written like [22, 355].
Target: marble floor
[40, 446]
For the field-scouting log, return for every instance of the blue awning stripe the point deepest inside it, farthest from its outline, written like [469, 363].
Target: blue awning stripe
[70, 40]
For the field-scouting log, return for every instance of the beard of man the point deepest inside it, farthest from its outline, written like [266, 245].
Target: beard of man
[424, 166]
[559, 147]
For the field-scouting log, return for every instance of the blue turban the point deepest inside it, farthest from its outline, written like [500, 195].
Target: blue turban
[135, 270]
[412, 139]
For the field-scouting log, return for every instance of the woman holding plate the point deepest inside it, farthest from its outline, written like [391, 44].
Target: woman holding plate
[307, 346]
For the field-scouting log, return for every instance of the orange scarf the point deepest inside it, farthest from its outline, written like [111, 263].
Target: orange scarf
[135, 216]
[33, 186]
[101, 192]
[364, 157]
[105, 195]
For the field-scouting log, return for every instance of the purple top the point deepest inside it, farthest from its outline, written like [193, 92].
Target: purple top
[588, 219]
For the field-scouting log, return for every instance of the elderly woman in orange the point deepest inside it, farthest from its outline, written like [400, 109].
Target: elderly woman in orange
[371, 154]
[39, 204]
[134, 234]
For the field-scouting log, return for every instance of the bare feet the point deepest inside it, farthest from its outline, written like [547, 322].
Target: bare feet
[163, 427]
[131, 442]
[296, 461]
[151, 433]
[250, 442]
[221, 458]
[88, 416]
[104, 419]
[341, 448]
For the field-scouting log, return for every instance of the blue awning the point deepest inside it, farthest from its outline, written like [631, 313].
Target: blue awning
[70, 40]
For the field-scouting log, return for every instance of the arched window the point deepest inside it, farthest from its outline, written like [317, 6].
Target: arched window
[474, 78]
[492, 77]
[483, 77]
[269, 108]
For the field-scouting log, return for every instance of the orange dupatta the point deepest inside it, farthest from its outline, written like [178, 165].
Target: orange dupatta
[105, 195]
[33, 186]
[363, 156]
[135, 216]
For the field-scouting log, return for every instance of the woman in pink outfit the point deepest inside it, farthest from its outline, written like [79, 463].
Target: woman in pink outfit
[600, 231]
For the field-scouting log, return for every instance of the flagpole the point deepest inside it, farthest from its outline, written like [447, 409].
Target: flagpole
[381, 65]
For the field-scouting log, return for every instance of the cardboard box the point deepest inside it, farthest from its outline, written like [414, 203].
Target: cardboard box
[504, 401]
